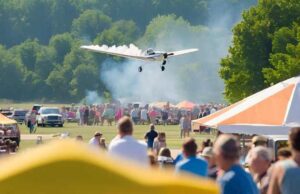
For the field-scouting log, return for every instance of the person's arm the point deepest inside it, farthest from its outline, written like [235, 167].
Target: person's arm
[275, 180]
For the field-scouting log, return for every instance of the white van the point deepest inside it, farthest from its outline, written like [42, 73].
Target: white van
[275, 142]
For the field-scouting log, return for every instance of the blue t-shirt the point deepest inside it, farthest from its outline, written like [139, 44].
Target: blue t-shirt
[193, 165]
[237, 180]
[150, 136]
[178, 158]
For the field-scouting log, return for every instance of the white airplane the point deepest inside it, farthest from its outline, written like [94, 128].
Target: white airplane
[134, 52]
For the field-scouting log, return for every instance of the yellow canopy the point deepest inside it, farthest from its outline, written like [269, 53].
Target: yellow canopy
[70, 167]
[6, 121]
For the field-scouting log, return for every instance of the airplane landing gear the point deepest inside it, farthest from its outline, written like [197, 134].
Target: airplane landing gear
[140, 69]
[164, 62]
[162, 68]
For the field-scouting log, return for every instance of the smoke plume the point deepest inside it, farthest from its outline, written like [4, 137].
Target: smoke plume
[191, 77]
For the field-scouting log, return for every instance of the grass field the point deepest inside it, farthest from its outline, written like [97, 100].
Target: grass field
[109, 132]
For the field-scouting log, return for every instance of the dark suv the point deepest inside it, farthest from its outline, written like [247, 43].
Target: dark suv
[18, 115]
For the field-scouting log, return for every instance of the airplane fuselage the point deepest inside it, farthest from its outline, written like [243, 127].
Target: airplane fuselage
[155, 56]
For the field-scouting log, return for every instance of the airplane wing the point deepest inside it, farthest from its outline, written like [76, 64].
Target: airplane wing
[132, 51]
[182, 52]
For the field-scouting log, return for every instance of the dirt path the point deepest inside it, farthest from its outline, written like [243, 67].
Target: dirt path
[35, 136]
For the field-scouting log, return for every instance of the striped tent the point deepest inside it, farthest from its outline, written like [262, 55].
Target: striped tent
[271, 111]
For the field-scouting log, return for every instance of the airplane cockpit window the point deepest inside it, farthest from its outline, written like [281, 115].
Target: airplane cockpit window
[150, 51]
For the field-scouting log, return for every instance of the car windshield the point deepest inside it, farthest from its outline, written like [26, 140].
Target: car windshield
[50, 111]
[20, 113]
[36, 107]
[7, 113]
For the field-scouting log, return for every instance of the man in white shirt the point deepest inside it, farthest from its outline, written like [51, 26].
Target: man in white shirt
[126, 146]
[95, 141]
[144, 116]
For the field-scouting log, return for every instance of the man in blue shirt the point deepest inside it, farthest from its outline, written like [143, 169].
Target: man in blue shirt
[150, 136]
[234, 179]
[191, 164]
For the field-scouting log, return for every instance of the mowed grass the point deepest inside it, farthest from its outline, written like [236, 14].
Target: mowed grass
[109, 132]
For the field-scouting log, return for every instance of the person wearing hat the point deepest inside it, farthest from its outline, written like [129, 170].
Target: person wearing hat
[95, 141]
[256, 141]
[259, 141]
[207, 153]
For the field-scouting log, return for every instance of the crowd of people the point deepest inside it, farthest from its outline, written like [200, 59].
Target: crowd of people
[112, 112]
[221, 160]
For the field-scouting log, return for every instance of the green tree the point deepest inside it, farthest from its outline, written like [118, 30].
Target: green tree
[36, 19]
[27, 52]
[63, 12]
[86, 77]
[197, 14]
[242, 69]
[11, 76]
[121, 32]
[78, 56]
[62, 43]
[90, 23]
[58, 83]
[286, 54]
[45, 62]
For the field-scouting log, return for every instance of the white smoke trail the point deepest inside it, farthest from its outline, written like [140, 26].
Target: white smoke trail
[191, 77]
[124, 49]
[92, 97]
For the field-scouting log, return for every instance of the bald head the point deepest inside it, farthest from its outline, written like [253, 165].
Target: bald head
[263, 153]
[227, 146]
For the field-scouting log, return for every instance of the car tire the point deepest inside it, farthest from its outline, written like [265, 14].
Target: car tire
[60, 125]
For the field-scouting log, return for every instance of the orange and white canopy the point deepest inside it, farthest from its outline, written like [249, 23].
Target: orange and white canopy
[185, 105]
[269, 112]
[162, 105]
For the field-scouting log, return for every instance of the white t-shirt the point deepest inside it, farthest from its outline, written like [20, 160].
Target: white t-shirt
[94, 142]
[130, 149]
[144, 114]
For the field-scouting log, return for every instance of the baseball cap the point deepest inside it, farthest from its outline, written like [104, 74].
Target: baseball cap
[259, 139]
[98, 134]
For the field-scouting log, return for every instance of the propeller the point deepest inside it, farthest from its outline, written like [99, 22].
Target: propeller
[167, 54]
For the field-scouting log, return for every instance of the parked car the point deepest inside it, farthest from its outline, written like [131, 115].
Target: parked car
[9, 129]
[49, 116]
[275, 142]
[6, 112]
[18, 115]
[36, 107]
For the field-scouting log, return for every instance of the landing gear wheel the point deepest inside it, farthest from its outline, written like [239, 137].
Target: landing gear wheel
[163, 68]
[140, 69]
[164, 62]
